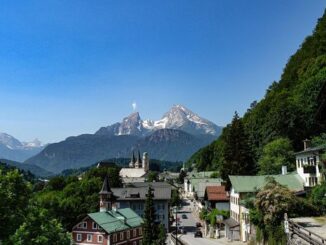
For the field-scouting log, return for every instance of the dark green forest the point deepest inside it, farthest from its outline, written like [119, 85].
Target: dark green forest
[293, 109]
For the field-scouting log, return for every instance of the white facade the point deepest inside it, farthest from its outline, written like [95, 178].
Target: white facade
[240, 214]
[234, 205]
[307, 164]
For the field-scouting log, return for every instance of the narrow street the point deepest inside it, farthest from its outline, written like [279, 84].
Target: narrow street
[188, 221]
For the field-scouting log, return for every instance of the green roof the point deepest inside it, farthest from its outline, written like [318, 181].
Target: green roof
[114, 221]
[254, 183]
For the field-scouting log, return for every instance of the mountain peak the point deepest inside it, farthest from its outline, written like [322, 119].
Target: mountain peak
[178, 117]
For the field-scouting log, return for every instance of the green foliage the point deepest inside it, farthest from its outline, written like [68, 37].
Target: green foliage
[236, 153]
[152, 176]
[318, 197]
[161, 235]
[181, 177]
[70, 199]
[149, 226]
[14, 195]
[270, 205]
[175, 198]
[215, 175]
[275, 154]
[39, 229]
[319, 140]
[292, 107]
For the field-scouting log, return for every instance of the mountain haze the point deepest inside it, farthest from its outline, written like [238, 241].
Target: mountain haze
[13, 149]
[175, 137]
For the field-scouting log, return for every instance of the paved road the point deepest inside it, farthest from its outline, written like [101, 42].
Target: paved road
[189, 224]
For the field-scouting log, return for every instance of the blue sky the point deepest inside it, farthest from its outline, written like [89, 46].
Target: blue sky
[70, 67]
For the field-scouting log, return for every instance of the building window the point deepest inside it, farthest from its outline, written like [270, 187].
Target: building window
[121, 236]
[134, 233]
[140, 231]
[99, 238]
[128, 234]
[89, 237]
[114, 237]
[79, 237]
[95, 226]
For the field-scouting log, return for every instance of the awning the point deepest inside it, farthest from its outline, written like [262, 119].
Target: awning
[231, 223]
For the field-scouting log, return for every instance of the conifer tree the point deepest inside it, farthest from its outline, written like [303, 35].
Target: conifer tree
[238, 159]
[149, 227]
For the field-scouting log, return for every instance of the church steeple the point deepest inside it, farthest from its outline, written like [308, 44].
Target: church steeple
[106, 196]
[138, 163]
[132, 160]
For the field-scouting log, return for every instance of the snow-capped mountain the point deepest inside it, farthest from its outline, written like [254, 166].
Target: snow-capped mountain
[13, 149]
[178, 117]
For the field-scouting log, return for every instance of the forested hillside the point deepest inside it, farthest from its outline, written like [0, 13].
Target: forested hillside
[292, 109]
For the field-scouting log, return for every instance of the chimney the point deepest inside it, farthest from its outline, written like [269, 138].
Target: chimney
[306, 144]
[284, 170]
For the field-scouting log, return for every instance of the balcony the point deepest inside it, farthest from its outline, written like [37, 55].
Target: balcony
[309, 169]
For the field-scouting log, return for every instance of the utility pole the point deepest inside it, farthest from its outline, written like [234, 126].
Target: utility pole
[176, 225]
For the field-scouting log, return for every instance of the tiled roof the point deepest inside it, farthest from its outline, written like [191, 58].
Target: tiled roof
[253, 183]
[113, 221]
[201, 187]
[217, 193]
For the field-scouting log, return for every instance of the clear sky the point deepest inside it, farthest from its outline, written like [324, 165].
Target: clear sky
[70, 67]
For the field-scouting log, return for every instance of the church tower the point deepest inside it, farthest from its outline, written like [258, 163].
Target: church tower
[145, 161]
[132, 160]
[138, 163]
[106, 196]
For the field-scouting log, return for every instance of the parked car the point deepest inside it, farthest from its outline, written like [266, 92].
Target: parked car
[184, 216]
[198, 224]
[198, 234]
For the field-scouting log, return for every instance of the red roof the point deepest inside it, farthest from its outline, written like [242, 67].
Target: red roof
[217, 193]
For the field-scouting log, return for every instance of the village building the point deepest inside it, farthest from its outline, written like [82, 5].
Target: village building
[134, 195]
[137, 170]
[111, 225]
[309, 165]
[195, 184]
[217, 197]
[238, 226]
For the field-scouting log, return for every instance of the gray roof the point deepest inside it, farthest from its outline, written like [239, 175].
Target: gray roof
[139, 193]
[311, 149]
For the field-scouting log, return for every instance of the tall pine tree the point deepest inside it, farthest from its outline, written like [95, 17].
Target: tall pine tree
[238, 159]
[149, 227]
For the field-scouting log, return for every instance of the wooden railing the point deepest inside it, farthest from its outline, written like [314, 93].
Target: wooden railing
[305, 234]
[175, 239]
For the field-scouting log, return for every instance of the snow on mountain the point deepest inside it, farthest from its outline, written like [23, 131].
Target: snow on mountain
[9, 141]
[13, 149]
[178, 117]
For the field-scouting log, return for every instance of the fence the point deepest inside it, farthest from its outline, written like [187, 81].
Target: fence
[304, 234]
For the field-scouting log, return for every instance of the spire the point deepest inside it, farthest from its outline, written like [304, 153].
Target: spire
[106, 186]
[106, 196]
[139, 158]
[132, 160]
[133, 157]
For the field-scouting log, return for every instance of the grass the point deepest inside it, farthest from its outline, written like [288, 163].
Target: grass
[321, 220]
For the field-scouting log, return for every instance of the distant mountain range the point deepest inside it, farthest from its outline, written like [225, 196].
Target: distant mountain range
[35, 170]
[13, 149]
[175, 137]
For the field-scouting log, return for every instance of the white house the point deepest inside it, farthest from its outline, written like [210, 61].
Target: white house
[309, 164]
